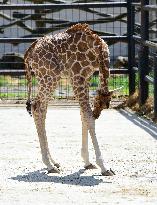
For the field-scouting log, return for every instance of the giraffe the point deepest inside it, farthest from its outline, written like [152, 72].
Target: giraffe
[76, 53]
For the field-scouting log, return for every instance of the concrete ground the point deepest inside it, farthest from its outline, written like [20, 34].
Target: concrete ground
[128, 144]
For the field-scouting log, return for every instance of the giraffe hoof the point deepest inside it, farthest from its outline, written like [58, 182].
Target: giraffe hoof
[57, 165]
[90, 166]
[54, 170]
[108, 173]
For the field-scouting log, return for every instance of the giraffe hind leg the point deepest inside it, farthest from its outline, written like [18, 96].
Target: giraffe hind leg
[39, 110]
[39, 114]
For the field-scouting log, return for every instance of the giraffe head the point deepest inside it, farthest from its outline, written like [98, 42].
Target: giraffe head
[101, 101]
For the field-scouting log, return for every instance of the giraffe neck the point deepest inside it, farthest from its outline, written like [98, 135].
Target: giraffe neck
[104, 68]
[103, 82]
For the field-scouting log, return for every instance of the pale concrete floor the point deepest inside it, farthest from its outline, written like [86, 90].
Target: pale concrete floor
[128, 144]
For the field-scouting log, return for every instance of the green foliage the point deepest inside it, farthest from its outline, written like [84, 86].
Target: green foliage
[16, 88]
[3, 81]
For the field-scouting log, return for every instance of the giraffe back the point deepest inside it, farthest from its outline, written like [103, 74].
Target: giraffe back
[77, 51]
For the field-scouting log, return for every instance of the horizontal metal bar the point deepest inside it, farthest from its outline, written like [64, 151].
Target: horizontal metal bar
[17, 40]
[28, 40]
[22, 72]
[17, 72]
[136, 4]
[150, 8]
[150, 44]
[149, 79]
[122, 38]
[119, 71]
[136, 38]
[62, 6]
[147, 7]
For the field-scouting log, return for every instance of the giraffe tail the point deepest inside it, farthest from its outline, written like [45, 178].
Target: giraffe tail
[29, 83]
[27, 58]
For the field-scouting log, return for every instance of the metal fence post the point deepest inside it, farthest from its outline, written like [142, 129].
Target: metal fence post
[144, 55]
[131, 45]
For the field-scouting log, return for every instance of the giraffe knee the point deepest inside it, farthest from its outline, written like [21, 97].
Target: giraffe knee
[39, 108]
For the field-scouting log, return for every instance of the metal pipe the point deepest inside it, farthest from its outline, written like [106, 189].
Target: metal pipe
[149, 79]
[148, 43]
[27, 40]
[62, 6]
[22, 72]
[136, 4]
[137, 38]
[17, 40]
[150, 8]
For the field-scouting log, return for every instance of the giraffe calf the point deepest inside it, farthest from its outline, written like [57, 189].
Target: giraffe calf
[76, 52]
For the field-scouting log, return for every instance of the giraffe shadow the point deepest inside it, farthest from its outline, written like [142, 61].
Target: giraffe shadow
[70, 179]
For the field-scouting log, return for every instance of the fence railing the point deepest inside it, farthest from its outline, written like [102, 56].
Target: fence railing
[147, 49]
[38, 13]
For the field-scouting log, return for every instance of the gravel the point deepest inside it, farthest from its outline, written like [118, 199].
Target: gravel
[128, 144]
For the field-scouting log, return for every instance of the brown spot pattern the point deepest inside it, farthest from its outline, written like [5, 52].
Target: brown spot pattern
[82, 47]
[91, 56]
[76, 68]
[80, 56]
[73, 48]
[84, 63]
[77, 37]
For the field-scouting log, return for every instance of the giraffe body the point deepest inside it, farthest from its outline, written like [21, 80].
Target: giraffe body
[76, 53]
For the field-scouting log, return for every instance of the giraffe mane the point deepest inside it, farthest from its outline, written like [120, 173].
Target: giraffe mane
[78, 27]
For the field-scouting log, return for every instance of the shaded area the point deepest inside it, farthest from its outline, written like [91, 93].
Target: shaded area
[148, 126]
[72, 179]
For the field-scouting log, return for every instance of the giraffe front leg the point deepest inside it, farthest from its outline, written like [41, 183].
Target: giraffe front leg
[81, 91]
[99, 158]
[84, 150]
[39, 114]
